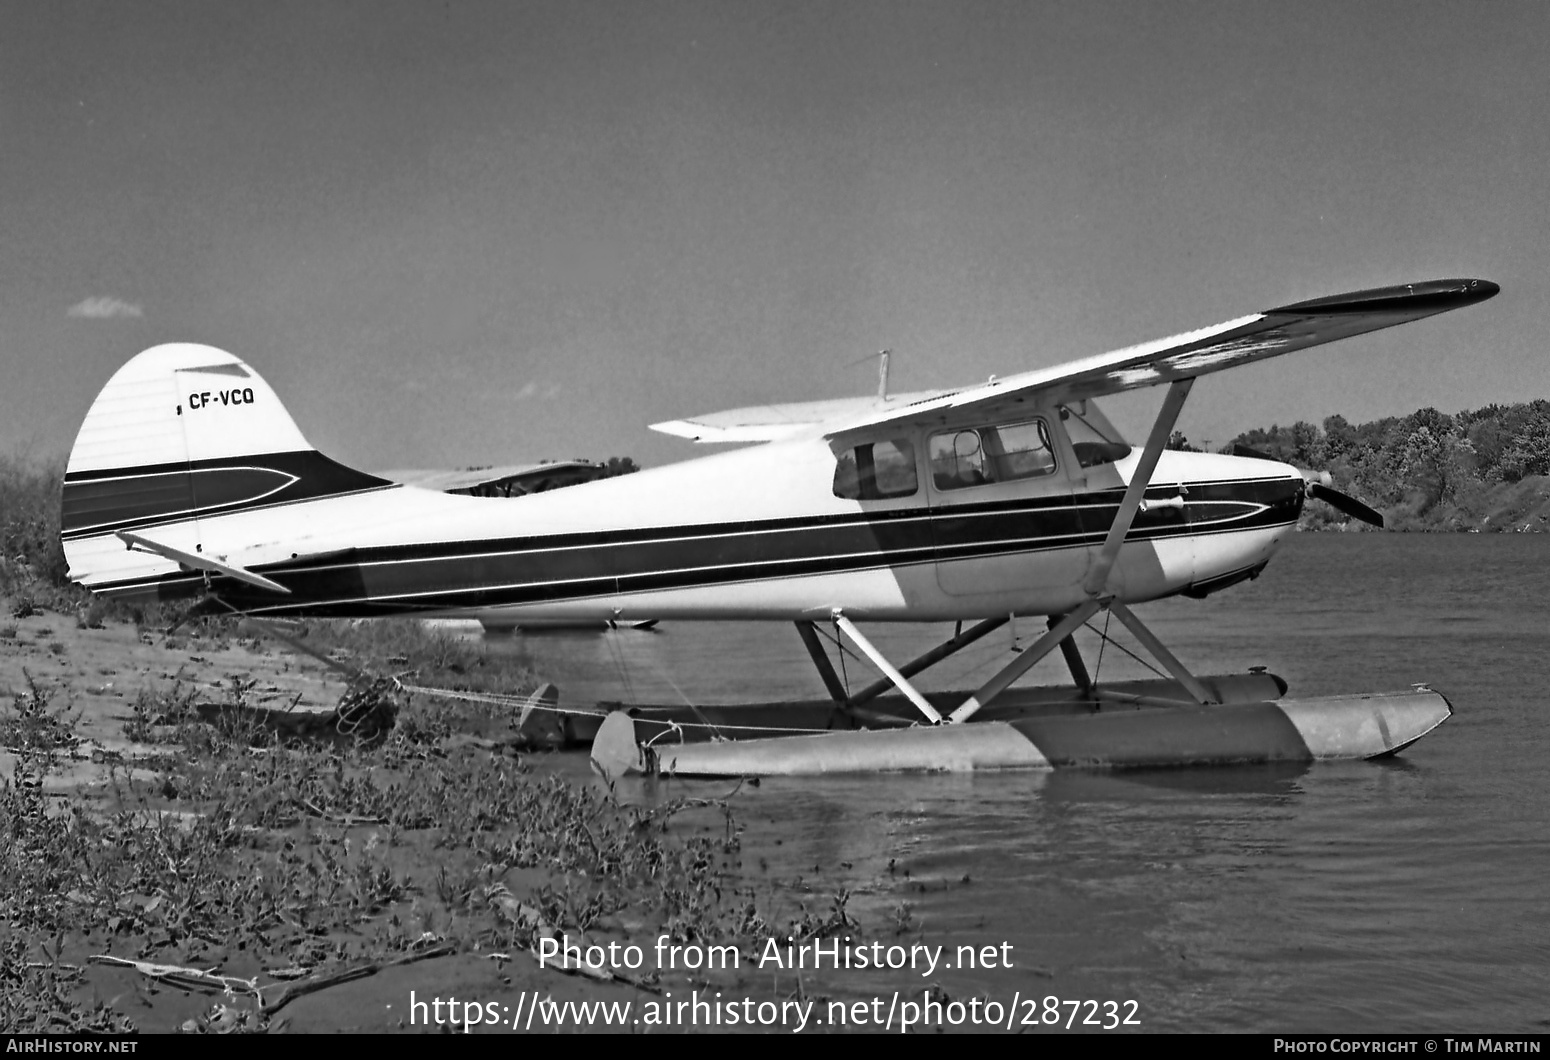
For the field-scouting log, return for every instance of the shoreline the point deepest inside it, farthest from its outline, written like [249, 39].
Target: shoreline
[324, 879]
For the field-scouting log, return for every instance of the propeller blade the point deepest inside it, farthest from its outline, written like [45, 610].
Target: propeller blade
[1319, 487]
[1346, 503]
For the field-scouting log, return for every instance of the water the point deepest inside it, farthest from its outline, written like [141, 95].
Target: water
[1399, 896]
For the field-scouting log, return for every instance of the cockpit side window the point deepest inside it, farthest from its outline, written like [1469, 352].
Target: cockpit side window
[876, 470]
[973, 456]
[1093, 438]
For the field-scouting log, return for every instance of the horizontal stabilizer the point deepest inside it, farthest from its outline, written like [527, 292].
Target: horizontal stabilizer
[199, 561]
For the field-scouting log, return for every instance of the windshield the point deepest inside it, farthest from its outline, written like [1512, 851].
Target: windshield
[1093, 438]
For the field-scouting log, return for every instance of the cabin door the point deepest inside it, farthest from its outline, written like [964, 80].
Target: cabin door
[1002, 512]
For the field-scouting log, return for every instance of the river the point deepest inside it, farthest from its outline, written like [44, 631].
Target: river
[1405, 895]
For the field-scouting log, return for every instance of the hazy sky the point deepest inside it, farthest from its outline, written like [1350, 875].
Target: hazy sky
[462, 232]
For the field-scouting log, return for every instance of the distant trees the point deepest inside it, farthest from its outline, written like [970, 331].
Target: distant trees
[620, 465]
[1428, 468]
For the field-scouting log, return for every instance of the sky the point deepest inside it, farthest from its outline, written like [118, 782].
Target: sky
[466, 233]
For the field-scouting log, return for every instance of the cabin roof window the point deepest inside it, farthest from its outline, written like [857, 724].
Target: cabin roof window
[1093, 438]
[972, 456]
[875, 470]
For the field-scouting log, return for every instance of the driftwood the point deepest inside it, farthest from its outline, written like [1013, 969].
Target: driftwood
[197, 979]
[185, 978]
[315, 983]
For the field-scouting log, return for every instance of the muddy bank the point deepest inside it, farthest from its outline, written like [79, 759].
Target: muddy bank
[171, 865]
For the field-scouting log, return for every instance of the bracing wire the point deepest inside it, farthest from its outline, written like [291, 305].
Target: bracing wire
[1103, 639]
[844, 676]
[1120, 647]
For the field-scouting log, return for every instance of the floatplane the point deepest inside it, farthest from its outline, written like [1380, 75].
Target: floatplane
[1010, 498]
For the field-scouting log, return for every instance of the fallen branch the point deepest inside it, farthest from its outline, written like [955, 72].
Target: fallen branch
[185, 978]
[349, 975]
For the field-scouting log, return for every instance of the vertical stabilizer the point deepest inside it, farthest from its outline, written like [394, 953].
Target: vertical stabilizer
[181, 433]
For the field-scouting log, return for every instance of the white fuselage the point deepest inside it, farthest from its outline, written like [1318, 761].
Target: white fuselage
[755, 533]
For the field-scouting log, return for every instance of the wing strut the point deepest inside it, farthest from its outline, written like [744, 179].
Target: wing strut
[1096, 583]
[1097, 580]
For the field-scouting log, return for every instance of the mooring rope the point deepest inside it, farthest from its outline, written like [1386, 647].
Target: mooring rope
[619, 668]
[706, 722]
[499, 699]
[504, 700]
[367, 688]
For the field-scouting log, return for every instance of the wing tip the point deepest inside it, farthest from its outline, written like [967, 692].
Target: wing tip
[1433, 295]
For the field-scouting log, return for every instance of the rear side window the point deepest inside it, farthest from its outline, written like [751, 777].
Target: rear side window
[876, 470]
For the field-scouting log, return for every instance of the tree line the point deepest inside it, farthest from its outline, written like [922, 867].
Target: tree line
[1482, 469]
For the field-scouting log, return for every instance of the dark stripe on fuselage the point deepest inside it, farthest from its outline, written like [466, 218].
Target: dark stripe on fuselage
[99, 502]
[493, 573]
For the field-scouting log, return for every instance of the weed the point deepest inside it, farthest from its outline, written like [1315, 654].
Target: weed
[91, 616]
[39, 996]
[33, 725]
[153, 709]
[836, 922]
[227, 1019]
[251, 841]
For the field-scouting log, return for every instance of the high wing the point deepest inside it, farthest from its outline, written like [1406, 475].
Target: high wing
[1194, 353]
[768, 423]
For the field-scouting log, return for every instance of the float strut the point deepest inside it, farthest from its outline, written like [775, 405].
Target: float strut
[881, 662]
[1074, 662]
[961, 640]
[1067, 625]
[831, 680]
[1191, 684]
